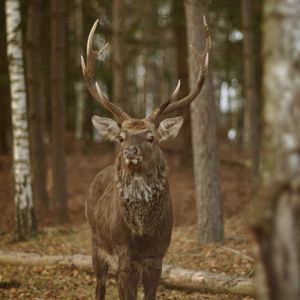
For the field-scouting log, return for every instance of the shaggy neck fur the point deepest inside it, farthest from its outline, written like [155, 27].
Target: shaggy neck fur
[141, 195]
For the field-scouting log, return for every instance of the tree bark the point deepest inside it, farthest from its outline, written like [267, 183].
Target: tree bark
[118, 53]
[36, 102]
[5, 113]
[25, 216]
[58, 49]
[251, 109]
[79, 85]
[171, 277]
[203, 115]
[150, 9]
[183, 75]
[277, 207]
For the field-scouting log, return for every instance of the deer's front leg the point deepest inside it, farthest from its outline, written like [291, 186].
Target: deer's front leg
[101, 269]
[151, 276]
[128, 277]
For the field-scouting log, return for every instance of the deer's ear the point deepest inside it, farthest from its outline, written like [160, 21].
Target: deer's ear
[169, 128]
[107, 128]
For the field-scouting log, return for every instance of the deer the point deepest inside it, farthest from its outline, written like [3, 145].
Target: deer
[128, 206]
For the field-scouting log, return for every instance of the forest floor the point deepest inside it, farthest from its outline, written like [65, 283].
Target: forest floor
[233, 256]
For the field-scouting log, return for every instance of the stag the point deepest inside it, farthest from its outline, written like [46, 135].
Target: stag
[129, 207]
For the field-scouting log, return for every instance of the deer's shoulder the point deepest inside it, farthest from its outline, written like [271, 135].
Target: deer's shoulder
[103, 179]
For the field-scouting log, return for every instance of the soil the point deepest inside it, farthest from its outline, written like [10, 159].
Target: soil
[233, 256]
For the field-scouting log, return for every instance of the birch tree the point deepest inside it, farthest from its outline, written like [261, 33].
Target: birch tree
[25, 216]
[203, 115]
[277, 211]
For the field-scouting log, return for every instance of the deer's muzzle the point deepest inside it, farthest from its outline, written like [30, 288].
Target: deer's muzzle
[131, 155]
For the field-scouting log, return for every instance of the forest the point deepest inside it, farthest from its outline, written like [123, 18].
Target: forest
[191, 111]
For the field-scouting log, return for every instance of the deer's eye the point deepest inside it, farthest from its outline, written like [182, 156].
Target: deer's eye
[150, 139]
[121, 139]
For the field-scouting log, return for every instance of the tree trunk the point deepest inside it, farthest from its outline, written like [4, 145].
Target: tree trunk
[25, 216]
[79, 85]
[150, 9]
[277, 211]
[5, 113]
[251, 109]
[182, 70]
[203, 115]
[146, 73]
[118, 52]
[58, 38]
[36, 103]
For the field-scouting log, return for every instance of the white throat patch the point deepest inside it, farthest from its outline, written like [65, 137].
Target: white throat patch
[137, 188]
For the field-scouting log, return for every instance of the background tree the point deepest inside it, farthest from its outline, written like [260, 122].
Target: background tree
[150, 42]
[228, 69]
[5, 113]
[277, 209]
[78, 85]
[118, 53]
[251, 116]
[179, 23]
[25, 215]
[204, 120]
[58, 48]
[36, 101]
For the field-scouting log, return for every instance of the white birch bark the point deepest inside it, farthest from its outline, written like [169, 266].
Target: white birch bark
[21, 160]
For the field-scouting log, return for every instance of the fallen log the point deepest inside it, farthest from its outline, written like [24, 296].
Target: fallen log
[172, 276]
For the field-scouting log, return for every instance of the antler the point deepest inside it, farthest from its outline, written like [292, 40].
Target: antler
[92, 85]
[170, 105]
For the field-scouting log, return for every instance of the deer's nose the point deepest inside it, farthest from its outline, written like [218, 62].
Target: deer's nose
[130, 151]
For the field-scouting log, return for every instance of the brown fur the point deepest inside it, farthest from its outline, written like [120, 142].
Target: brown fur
[130, 214]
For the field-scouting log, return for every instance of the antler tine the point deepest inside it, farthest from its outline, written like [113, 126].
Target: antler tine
[207, 36]
[163, 106]
[92, 85]
[176, 91]
[169, 106]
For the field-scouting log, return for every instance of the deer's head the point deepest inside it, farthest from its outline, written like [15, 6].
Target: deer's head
[140, 138]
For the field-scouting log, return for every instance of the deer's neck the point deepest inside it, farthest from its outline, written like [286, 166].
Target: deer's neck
[141, 186]
[142, 196]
